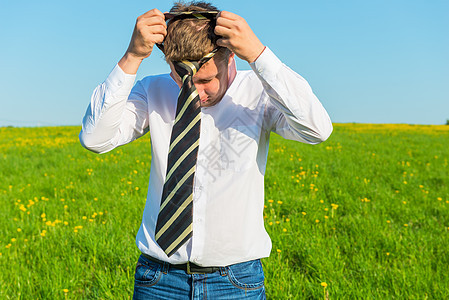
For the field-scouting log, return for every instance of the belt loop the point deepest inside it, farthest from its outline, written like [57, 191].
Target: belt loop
[223, 271]
[165, 267]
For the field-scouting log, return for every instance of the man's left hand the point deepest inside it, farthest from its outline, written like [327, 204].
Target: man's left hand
[237, 36]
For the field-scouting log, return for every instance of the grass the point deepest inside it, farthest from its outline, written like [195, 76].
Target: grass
[363, 215]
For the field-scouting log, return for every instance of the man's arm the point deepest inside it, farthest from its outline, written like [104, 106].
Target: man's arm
[293, 111]
[111, 119]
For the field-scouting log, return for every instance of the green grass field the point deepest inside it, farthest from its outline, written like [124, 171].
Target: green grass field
[363, 215]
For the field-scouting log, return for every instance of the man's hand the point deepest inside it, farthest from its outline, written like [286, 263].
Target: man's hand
[238, 36]
[150, 29]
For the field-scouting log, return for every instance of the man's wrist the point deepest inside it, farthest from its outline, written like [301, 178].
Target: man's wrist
[129, 63]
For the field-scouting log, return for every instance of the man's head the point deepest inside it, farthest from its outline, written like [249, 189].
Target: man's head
[192, 39]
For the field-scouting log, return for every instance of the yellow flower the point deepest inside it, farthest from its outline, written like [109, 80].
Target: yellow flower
[388, 253]
[388, 221]
[271, 200]
[326, 217]
[279, 202]
[317, 221]
[288, 220]
[284, 230]
[439, 198]
[278, 250]
[65, 290]
[324, 284]
[13, 240]
[271, 223]
[84, 217]
[19, 229]
[43, 215]
[405, 225]
[304, 213]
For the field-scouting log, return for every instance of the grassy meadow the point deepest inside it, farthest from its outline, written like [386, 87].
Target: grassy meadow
[364, 215]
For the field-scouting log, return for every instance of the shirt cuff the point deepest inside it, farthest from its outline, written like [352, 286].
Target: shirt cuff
[119, 83]
[267, 64]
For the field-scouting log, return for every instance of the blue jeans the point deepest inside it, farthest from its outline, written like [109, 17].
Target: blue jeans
[160, 281]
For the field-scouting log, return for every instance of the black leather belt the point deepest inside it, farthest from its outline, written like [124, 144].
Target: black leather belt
[189, 268]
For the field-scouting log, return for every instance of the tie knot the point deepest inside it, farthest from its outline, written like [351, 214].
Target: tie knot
[186, 67]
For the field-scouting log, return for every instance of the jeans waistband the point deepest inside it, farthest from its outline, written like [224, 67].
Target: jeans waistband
[189, 268]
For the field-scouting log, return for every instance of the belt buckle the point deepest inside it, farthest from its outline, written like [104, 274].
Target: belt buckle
[188, 268]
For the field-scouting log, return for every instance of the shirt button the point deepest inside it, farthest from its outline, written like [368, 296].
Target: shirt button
[119, 83]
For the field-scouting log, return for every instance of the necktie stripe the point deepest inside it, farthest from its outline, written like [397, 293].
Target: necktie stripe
[178, 243]
[173, 232]
[177, 176]
[191, 66]
[184, 132]
[175, 215]
[187, 103]
[173, 192]
[180, 160]
[180, 224]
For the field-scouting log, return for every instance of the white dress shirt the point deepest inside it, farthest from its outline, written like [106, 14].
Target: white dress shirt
[228, 195]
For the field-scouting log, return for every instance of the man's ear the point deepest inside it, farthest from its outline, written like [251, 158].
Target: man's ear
[231, 59]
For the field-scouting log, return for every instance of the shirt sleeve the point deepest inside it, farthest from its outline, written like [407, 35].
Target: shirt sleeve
[293, 111]
[113, 117]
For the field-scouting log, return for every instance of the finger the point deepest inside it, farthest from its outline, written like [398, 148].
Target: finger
[228, 23]
[156, 29]
[153, 20]
[223, 43]
[159, 38]
[228, 15]
[153, 12]
[223, 31]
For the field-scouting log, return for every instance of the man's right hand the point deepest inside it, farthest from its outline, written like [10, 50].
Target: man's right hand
[150, 29]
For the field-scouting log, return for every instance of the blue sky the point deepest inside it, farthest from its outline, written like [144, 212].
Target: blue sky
[367, 61]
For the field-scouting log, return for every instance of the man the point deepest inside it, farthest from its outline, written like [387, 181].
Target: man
[217, 253]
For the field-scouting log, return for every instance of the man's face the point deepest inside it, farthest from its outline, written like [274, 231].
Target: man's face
[211, 81]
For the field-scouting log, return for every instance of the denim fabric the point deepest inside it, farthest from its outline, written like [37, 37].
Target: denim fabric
[159, 281]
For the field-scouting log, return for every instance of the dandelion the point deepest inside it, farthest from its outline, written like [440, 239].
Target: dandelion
[271, 223]
[317, 221]
[388, 221]
[84, 218]
[303, 213]
[279, 202]
[284, 230]
[406, 225]
[388, 253]
[324, 284]
[278, 250]
[287, 220]
[439, 198]
[19, 229]
[326, 217]
[65, 290]
[8, 246]
[13, 240]
[271, 200]
[43, 215]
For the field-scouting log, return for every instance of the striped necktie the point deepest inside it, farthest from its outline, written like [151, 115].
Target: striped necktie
[174, 223]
